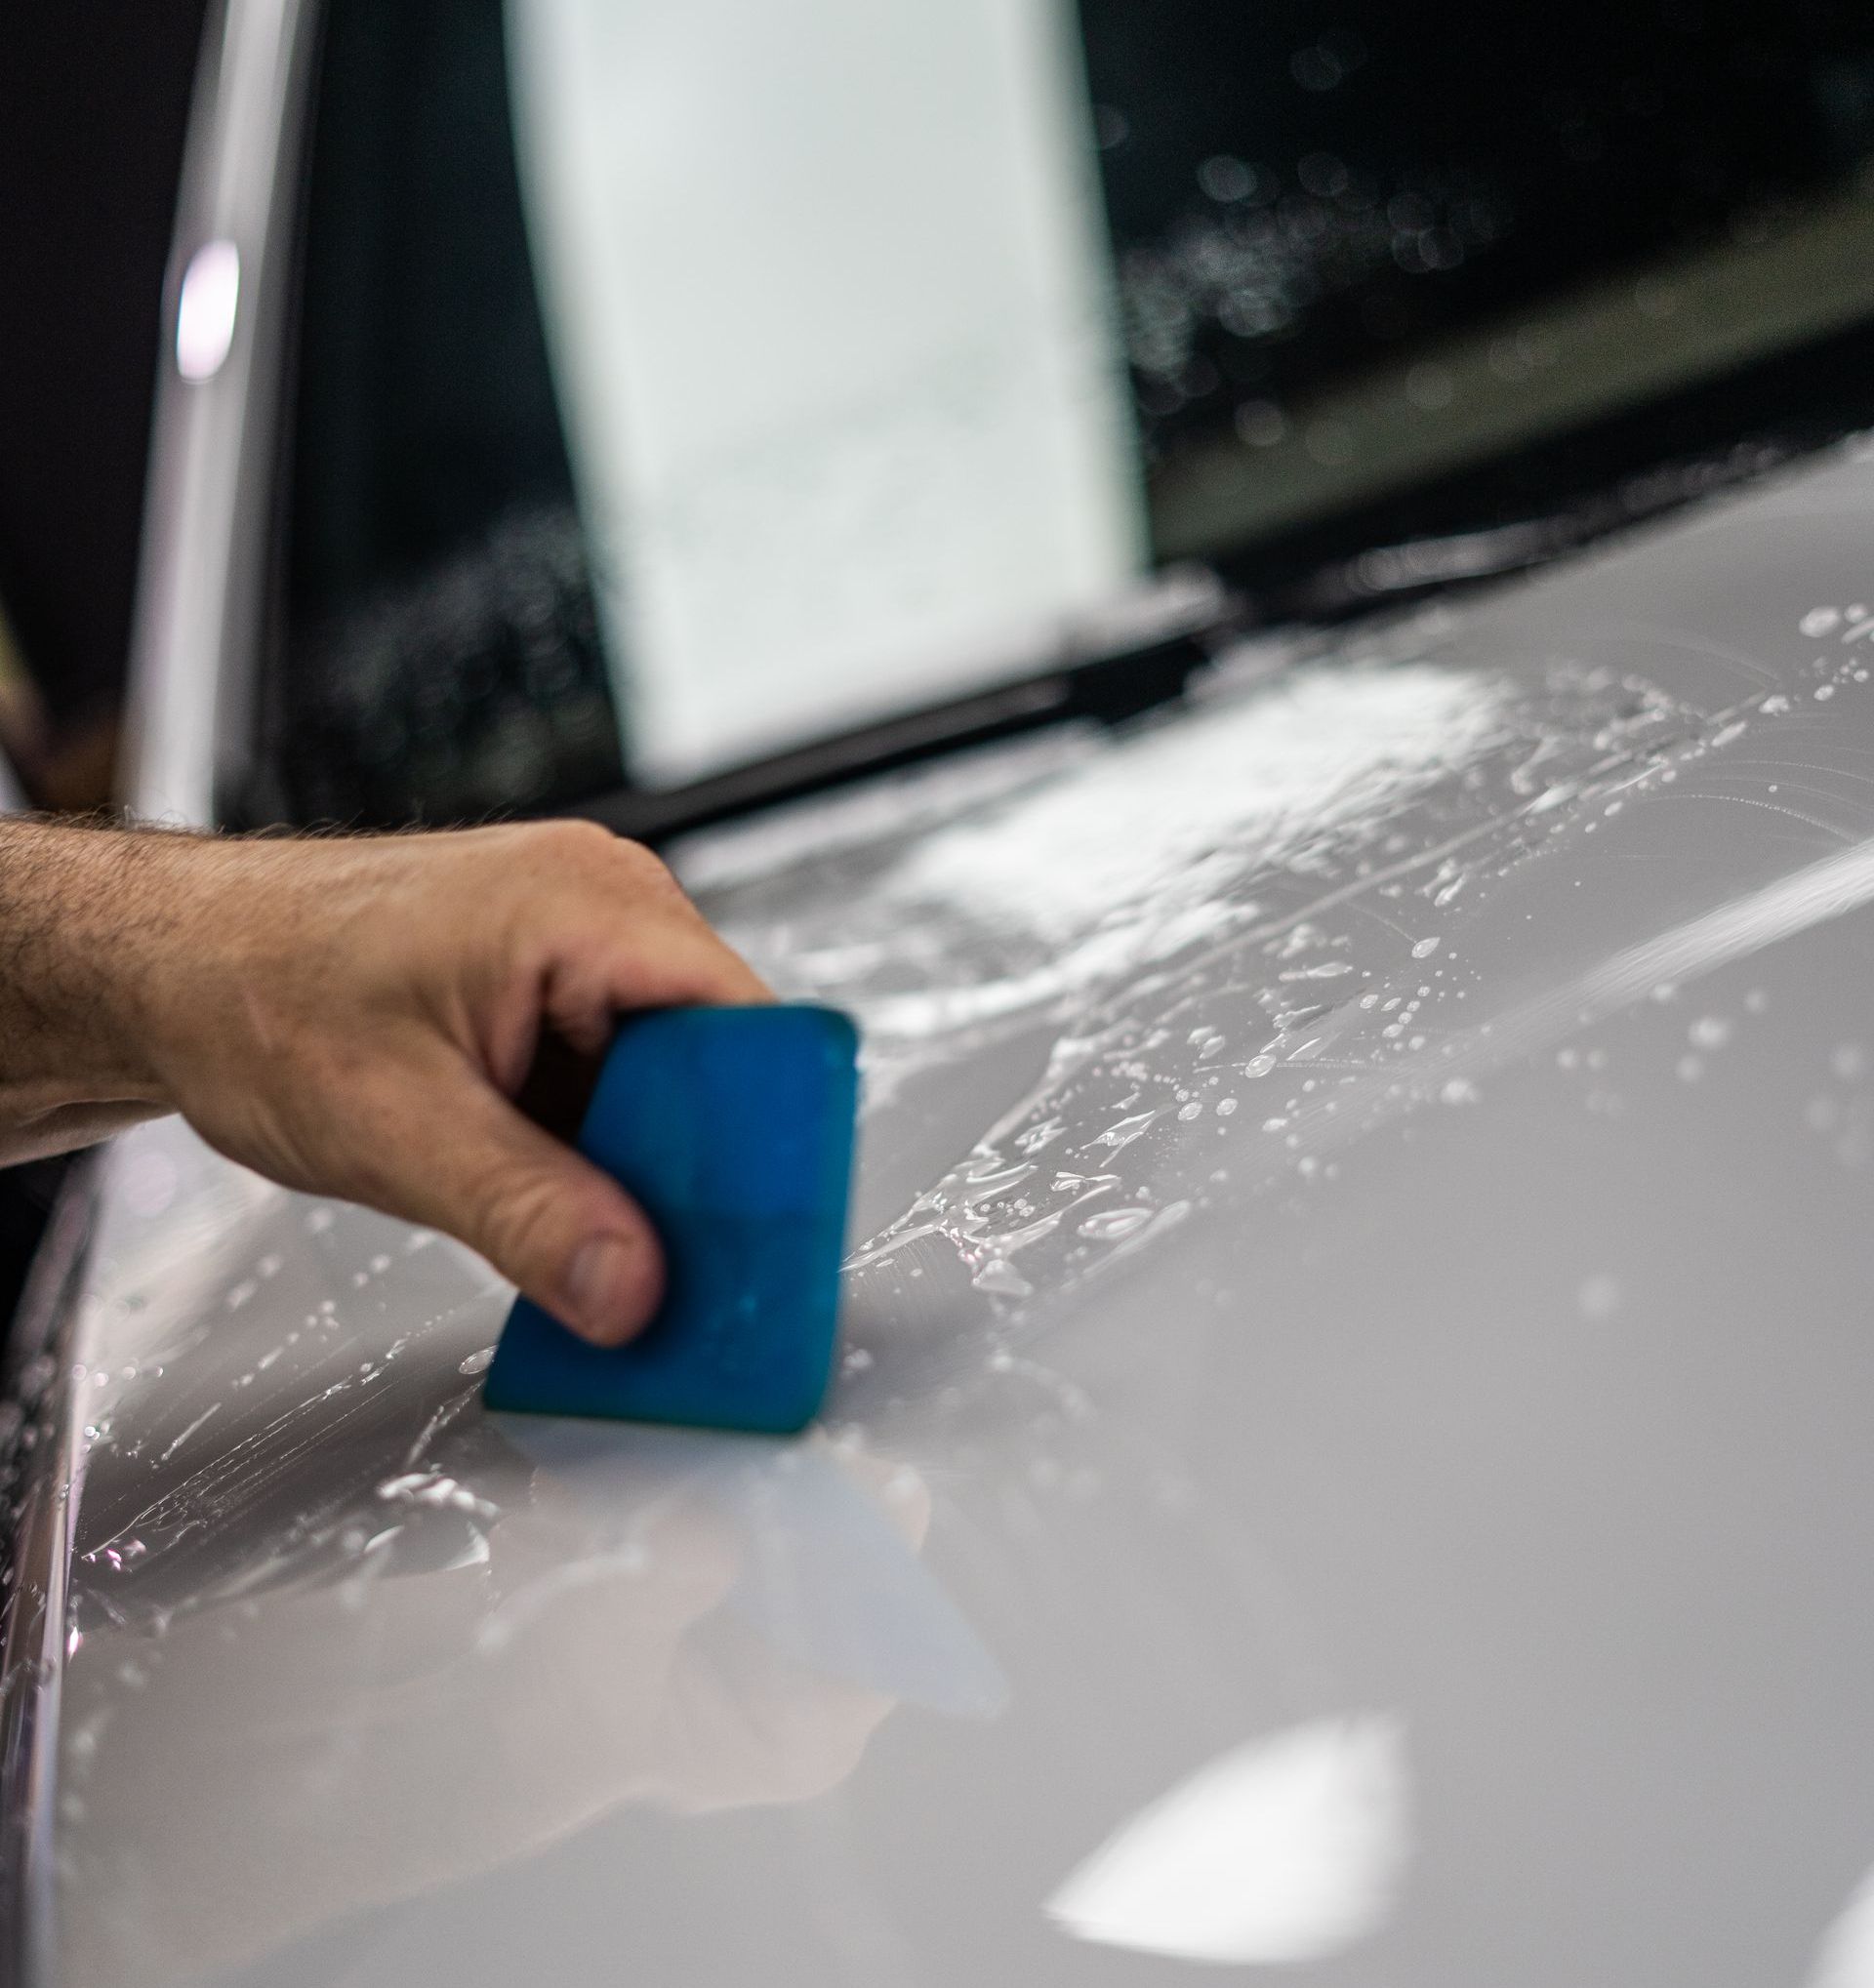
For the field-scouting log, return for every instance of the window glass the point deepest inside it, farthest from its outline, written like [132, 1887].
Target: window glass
[676, 382]
[831, 308]
[1362, 243]
[439, 656]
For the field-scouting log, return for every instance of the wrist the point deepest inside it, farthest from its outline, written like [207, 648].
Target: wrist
[93, 918]
[166, 989]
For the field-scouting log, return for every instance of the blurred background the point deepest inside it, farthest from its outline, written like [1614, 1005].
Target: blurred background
[93, 104]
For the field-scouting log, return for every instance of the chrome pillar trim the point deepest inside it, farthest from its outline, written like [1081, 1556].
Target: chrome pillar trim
[199, 593]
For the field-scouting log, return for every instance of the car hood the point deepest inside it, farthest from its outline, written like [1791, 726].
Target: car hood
[1355, 1444]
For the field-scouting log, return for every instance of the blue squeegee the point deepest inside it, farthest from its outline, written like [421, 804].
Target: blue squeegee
[733, 1129]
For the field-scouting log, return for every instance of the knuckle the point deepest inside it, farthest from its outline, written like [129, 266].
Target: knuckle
[522, 1213]
[643, 866]
[590, 838]
[567, 843]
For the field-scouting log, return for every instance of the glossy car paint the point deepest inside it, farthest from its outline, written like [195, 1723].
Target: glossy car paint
[1354, 1450]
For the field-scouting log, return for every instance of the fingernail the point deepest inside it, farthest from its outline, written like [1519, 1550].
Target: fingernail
[607, 1290]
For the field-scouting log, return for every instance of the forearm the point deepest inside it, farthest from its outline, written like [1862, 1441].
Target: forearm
[89, 923]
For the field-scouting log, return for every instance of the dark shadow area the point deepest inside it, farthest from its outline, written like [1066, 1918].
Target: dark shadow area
[93, 102]
[438, 657]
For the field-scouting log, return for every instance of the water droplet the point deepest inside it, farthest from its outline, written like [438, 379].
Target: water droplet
[989, 1179]
[1191, 1110]
[1038, 1136]
[1125, 1131]
[1299, 1018]
[1113, 1223]
[999, 1274]
[1709, 1031]
[1224, 1105]
[1460, 1090]
[1426, 948]
[432, 1487]
[477, 1363]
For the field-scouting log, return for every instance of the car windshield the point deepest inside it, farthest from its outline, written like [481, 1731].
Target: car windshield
[677, 384]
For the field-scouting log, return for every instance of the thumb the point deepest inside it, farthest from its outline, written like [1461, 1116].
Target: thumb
[471, 1165]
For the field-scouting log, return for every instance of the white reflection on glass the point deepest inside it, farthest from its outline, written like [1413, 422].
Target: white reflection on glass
[205, 309]
[1283, 1851]
[923, 464]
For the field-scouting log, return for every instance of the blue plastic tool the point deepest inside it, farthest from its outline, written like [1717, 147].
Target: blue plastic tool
[733, 1129]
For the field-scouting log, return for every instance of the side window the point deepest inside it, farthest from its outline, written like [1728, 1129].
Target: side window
[434, 655]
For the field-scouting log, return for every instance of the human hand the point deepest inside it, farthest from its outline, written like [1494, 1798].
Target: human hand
[356, 1017]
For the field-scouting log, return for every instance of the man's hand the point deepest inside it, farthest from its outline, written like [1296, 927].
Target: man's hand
[354, 1017]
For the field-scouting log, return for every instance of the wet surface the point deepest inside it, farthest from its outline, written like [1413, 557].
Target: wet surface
[1356, 1444]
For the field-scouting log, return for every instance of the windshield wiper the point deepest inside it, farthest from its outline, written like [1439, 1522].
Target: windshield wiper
[1104, 690]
